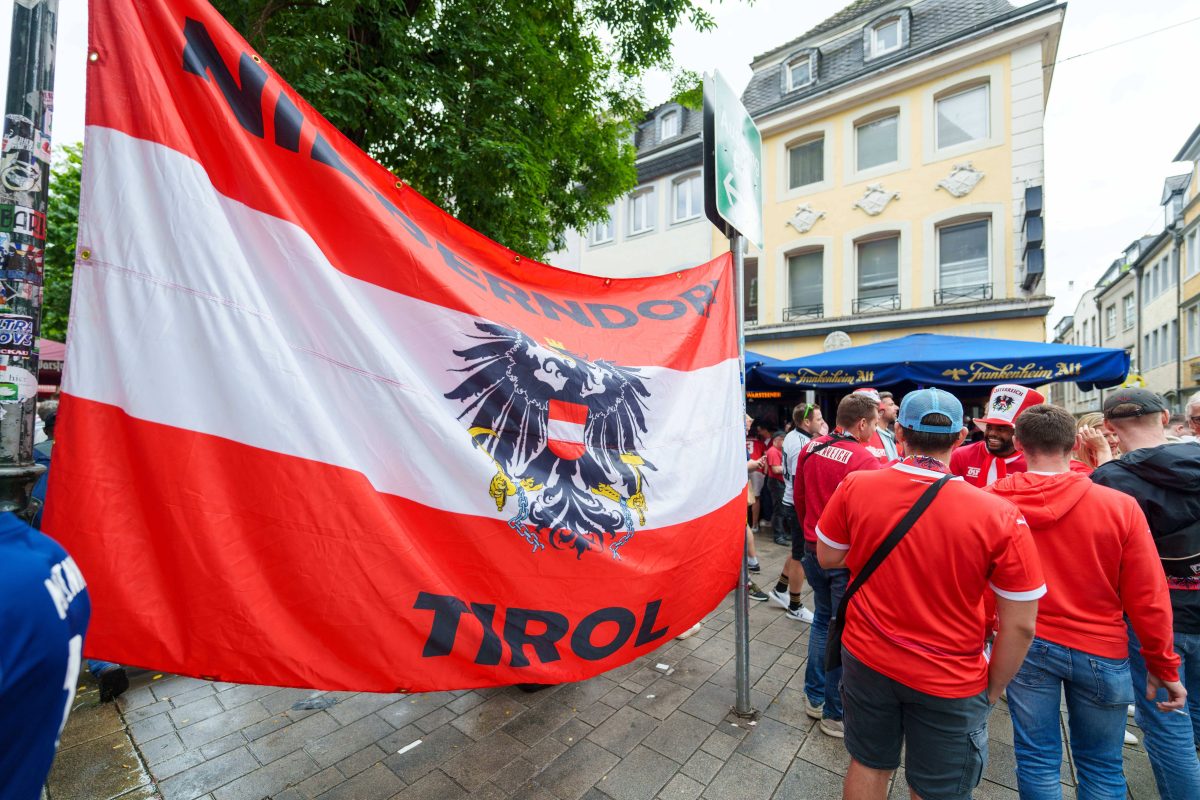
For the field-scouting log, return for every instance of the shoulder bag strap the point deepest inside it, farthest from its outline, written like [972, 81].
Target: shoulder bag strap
[833, 647]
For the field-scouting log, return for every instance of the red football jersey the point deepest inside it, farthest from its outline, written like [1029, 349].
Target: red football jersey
[819, 473]
[978, 467]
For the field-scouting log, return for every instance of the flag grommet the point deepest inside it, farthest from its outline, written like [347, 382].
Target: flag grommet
[85, 254]
[255, 58]
[93, 56]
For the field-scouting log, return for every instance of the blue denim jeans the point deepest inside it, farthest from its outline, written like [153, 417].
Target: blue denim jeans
[828, 586]
[96, 667]
[1170, 738]
[1098, 694]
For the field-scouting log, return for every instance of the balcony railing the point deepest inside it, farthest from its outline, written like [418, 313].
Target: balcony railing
[792, 313]
[868, 305]
[963, 294]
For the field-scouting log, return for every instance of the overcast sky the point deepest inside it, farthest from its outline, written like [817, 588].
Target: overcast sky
[1114, 121]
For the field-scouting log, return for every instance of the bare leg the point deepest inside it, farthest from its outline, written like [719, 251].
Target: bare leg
[750, 550]
[864, 783]
[755, 510]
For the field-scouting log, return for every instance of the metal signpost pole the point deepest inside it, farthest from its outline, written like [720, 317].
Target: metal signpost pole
[741, 601]
[24, 189]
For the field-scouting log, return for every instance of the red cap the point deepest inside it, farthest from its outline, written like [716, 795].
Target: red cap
[1008, 401]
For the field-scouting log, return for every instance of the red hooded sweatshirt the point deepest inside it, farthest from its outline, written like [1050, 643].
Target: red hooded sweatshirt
[1100, 562]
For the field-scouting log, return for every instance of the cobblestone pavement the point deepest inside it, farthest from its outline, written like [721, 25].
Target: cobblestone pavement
[631, 734]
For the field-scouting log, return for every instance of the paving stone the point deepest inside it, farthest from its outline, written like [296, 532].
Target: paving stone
[376, 783]
[465, 702]
[160, 749]
[489, 791]
[176, 764]
[488, 716]
[572, 731]
[986, 790]
[347, 740]
[788, 708]
[804, 779]
[195, 712]
[289, 794]
[640, 775]
[618, 696]
[720, 744]
[147, 711]
[283, 699]
[151, 728]
[101, 767]
[353, 764]
[513, 776]
[192, 695]
[475, 765]
[435, 720]
[99, 719]
[434, 750]
[268, 725]
[434, 786]
[681, 787]
[710, 703]
[222, 724]
[771, 743]
[576, 770]
[238, 694]
[742, 777]
[692, 672]
[535, 724]
[203, 778]
[547, 750]
[715, 651]
[661, 698]
[623, 731]
[174, 685]
[596, 713]
[292, 737]
[702, 766]
[406, 710]
[135, 697]
[584, 693]
[226, 743]
[678, 736]
[825, 751]
[359, 705]
[320, 783]
[763, 654]
[269, 780]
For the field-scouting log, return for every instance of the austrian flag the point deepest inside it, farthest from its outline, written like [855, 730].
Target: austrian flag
[316, 432]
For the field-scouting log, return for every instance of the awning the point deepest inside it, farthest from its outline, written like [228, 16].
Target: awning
[927, 359]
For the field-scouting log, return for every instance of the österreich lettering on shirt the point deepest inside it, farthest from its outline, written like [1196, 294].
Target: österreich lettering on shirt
[316, 432]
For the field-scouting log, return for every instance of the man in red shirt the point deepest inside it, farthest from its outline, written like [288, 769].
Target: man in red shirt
[1100, 563]
[983, 463]
[821, 467]
[914, 669]
[882, 444]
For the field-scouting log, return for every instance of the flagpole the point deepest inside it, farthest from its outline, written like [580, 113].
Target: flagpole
[741, 599]
[24, 191]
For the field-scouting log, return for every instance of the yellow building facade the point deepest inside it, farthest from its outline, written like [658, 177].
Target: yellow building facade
[902, 176]
[1189, 277]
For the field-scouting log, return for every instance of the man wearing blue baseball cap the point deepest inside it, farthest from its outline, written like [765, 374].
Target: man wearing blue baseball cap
[912, 636]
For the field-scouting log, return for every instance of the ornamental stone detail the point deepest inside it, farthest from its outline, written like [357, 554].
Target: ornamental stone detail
[875, 199]
[805, 218]
[961, 180]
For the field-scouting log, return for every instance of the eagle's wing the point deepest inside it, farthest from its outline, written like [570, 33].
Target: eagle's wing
[613, 434]
[501, 394]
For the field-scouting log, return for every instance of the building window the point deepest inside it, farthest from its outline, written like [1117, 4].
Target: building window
[1172, 333]
[963, 262]
[689, 198]
[876, 142]
[799, 73]
[806, 285]
[1193, 252]
[668, 125]
[1085, 333]
[1130, 310]
[1168, 275]
[641, 212]
[963, 117]
[1110, 321]
[1154, 358]
[750, 290]
[878, 275]
[1192, 321]
[603, 232]
[1146, 356]
[806, 163]
[886, 36]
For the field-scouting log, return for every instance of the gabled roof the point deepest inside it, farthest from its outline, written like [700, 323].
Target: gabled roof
[934, 23]
[1175, 183]
[1191, 148]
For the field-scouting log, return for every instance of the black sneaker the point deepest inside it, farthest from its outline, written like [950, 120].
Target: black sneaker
[113, 683]
[756, 593]
[754, 566]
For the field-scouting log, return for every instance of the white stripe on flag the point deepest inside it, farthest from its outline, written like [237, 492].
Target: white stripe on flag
[198, 312]
[563, 431]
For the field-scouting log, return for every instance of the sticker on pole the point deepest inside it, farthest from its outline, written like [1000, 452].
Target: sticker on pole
[16, 384]
[732, 163]
[16, 334]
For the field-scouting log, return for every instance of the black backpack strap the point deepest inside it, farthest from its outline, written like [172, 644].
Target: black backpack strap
[833, 646]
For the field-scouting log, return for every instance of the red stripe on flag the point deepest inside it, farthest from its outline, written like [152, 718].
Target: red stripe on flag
[211, 558]
[138, 85]
[568, 412]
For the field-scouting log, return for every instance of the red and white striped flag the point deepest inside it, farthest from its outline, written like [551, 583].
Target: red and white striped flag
[316, 432]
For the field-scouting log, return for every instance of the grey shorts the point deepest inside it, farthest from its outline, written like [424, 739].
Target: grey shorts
[946, 739]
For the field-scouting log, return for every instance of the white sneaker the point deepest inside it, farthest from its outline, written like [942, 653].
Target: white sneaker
[692, 631]
[779, 598]
[1129, 711]
[801, 614]
[1130, 738]
[833, 727]
[814, 712]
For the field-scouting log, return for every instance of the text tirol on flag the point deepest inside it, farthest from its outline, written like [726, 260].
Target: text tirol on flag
[316, 432]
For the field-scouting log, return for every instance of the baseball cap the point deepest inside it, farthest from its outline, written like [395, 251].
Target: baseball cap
[869, 392]
[1146, 402]
[920, 404]
[1007, 402]
[778, 434]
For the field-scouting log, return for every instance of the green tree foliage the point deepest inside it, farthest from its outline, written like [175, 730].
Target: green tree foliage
[516, 116]
[62, 228]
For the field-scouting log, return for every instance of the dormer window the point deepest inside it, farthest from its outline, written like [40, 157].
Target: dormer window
[799, 71]
[887, 34]
[668, 125]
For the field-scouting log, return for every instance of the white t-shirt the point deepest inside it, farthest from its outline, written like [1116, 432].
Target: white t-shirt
[793, 443]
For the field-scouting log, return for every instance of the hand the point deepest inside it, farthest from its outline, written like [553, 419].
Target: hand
[1092, 440]
[1176, 694]
[994, 696]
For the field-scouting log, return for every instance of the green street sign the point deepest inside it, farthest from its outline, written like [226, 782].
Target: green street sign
[732, 163]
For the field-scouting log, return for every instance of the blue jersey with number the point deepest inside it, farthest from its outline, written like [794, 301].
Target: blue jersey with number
[44, 610]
